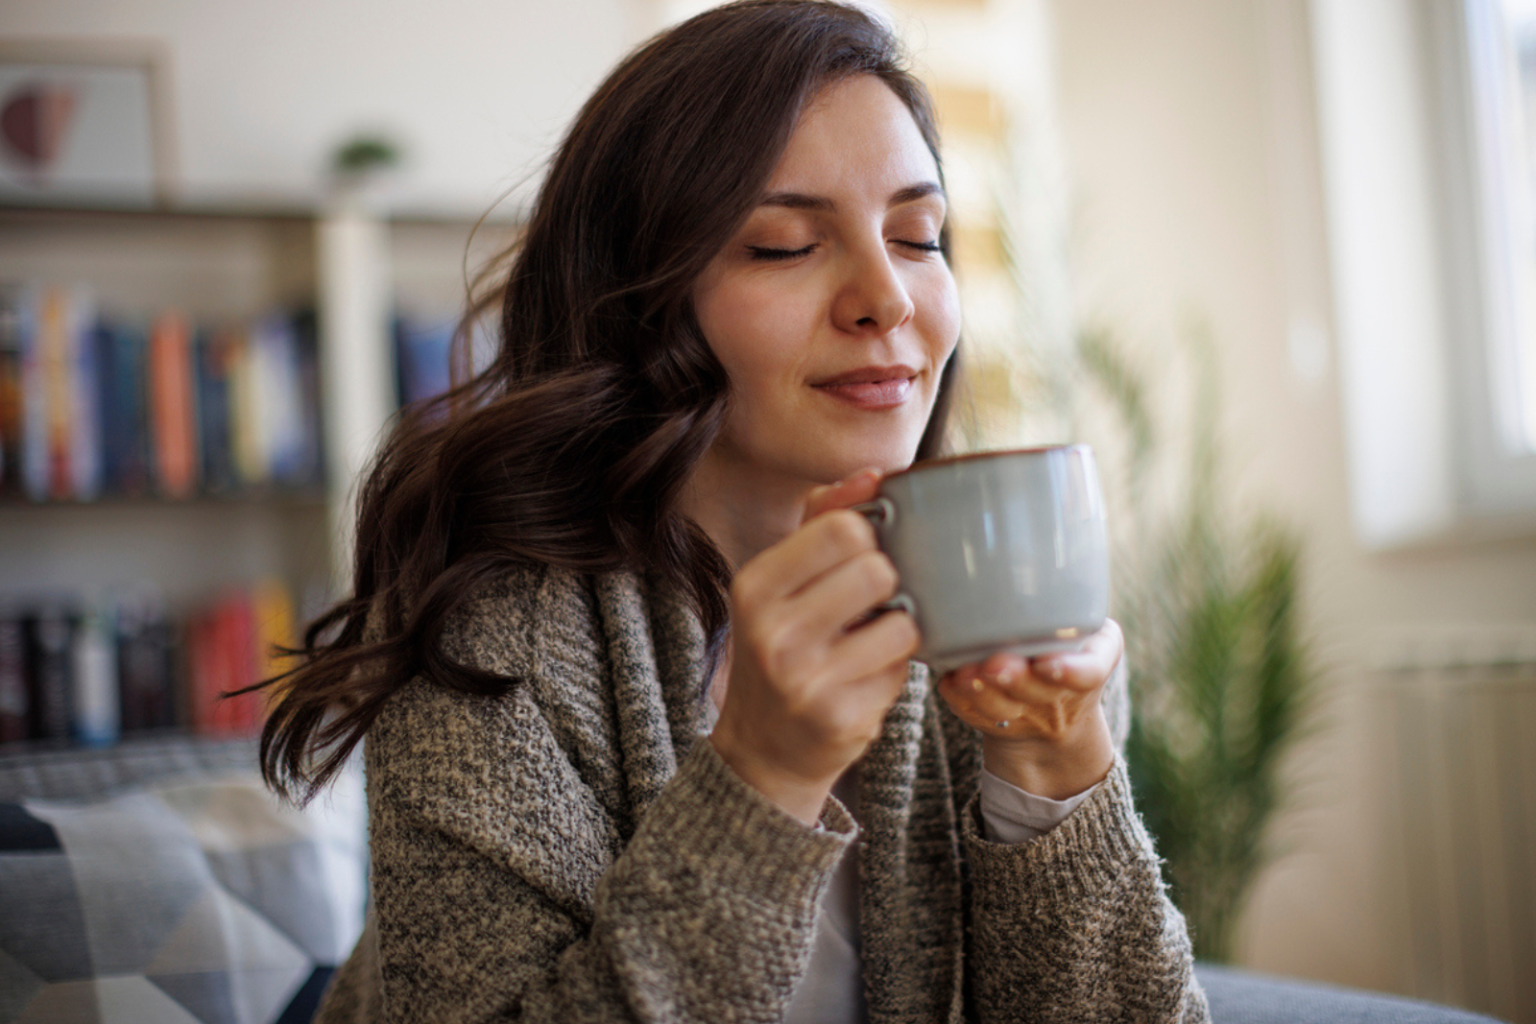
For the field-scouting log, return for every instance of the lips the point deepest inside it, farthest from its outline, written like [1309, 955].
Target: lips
[871, 387]
[870, 375]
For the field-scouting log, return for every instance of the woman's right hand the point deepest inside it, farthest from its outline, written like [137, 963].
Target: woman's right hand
[810, 681]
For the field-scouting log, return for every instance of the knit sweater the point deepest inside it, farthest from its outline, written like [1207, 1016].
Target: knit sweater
[570, 851]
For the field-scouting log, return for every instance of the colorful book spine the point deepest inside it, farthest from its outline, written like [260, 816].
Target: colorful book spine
[272, 619]
[216, 353]
[282, 378]
[423, 353]
[58, 388]
[223, 662]
[84, 400]
[92, 672]
[92, 406]
[11, 296]
[95, 712]
[173, 411]
[120, 356]
[34, 394]
[247, 428]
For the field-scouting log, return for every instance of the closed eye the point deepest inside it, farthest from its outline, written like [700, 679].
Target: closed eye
[763, 253]
[920, 246]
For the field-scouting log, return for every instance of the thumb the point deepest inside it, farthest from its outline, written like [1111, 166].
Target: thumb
[862, 486]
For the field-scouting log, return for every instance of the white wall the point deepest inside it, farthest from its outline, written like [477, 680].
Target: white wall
[476, 91]
[1191, 132]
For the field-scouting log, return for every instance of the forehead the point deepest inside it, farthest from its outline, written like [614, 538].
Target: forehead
[854, 135]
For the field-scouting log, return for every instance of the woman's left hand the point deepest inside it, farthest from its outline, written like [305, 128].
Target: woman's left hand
[1042, 723]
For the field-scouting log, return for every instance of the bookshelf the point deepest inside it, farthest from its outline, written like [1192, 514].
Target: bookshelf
[221, 267]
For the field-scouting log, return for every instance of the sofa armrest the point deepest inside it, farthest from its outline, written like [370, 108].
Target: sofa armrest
[1246, 997]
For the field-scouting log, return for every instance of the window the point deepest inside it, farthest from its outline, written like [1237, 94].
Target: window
[1500, 37]
[1427, 122]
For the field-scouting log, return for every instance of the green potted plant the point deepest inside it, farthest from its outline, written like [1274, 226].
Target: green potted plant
[1223, 683]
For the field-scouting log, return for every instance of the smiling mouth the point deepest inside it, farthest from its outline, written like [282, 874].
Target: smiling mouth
[871, 390]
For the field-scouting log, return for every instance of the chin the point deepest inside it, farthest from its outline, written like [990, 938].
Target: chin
[885, 457]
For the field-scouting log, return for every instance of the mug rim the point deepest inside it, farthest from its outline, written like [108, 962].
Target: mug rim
[949, 460]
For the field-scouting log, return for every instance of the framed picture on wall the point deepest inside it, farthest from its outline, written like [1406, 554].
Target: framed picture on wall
[84, 123]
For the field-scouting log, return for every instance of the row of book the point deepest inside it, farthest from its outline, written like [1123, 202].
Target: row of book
[95, 406]
[89, 672]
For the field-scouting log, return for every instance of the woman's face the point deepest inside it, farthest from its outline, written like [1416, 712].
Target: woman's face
[831, 309]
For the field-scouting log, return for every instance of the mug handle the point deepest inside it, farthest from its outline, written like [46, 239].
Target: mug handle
[882, 512]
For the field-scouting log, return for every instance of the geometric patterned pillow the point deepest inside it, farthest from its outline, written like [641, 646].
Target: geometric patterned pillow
[202, 900]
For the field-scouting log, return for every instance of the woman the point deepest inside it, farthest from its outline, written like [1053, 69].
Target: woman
[628, 716]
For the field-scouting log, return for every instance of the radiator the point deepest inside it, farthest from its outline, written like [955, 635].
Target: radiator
[1458, 724]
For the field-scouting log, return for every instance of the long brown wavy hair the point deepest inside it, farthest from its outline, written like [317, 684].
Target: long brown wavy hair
[571, 447]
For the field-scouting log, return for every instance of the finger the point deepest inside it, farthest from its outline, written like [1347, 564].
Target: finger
[977, 701]
[1084, 669]
[891, 639]
[1003, 667]
[847, 592]
[861, 486]
[862, 703]
[819, 546]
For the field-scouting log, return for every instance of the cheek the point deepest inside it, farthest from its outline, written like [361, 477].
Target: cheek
[938, 315]
[753, 329]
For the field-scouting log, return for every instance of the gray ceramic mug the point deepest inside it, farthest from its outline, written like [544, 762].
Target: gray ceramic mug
[999, 551]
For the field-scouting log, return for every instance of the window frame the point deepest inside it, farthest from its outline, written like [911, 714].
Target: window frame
[1477, 212]
[1414, 268]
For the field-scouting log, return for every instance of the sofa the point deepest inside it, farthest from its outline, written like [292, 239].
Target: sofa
[157, 881]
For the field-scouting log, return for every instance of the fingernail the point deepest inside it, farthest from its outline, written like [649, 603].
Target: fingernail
[976, 684]
[1008, 676]
[1057, 671]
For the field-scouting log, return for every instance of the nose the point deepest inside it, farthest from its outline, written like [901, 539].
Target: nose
[873, 298]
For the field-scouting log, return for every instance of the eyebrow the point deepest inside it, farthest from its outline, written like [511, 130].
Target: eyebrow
[801, 201]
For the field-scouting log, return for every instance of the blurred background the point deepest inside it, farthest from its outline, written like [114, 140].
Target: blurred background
[1276, 259]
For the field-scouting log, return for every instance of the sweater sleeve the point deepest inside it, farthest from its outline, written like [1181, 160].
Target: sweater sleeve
[1076, 925]
[502, 891]
[1014, 815]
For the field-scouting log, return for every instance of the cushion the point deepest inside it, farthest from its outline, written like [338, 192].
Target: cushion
[196, 897]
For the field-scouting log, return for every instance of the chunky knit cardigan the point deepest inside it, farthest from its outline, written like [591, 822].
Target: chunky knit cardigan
[572, 852]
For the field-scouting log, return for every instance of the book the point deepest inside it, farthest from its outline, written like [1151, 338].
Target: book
[11, 297]
[91, 405]
[248, 434]
[120, 352]
[222, 659]
[34, 473]
[94, 709]
[216, 353]
[273, 623]
[423, 351]
[310, 468]
[83, 401]
[277, 367]
[15, 703]
[148, 679]
[203, 671]
[47, 633]
[173, 414]
[56, 390]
